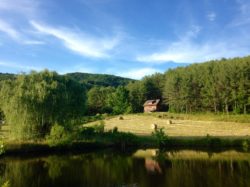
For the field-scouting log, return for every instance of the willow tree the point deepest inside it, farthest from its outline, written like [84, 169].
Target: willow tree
[33, 103]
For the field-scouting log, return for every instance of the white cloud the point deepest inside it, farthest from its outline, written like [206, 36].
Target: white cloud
[80, 43]
[211, 16]
[138, 73]
[9, 30]
[191, 52]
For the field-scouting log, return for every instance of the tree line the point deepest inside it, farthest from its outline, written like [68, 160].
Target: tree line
[32, 103]
[216, 86]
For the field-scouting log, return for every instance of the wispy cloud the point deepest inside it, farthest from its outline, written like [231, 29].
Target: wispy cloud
[138, 73]
[9, 30]
[186, 50]
[211, 16]
[179, 51]
[33, 42]
[191, 52]
[16, 35]
[80, 42]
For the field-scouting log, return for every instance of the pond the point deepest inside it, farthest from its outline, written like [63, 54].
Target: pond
[140, 168]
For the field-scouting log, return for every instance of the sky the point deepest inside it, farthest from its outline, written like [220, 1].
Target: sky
[129, 38]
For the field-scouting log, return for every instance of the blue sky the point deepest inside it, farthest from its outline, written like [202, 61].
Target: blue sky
[130, 38]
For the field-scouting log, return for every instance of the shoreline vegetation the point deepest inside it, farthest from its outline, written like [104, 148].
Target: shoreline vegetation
[94, 135]
[172, 143]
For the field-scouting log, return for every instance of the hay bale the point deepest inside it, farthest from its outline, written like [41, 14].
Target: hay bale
[121, 118]
[169, 122]
[153, 126]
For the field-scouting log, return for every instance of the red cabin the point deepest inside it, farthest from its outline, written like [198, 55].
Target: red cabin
[152, 105]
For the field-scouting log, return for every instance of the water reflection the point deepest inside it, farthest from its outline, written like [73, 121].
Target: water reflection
[143, 168]
[152, 166]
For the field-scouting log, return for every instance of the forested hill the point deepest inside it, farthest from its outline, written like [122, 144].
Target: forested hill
[88, 79]
[105, 80]
[5, 76]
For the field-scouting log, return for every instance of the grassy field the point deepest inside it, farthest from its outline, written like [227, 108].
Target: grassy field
[180, 127]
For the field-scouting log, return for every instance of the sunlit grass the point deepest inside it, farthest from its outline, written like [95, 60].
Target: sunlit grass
[141, 124]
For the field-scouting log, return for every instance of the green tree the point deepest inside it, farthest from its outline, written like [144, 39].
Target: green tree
[119, 101]
[33, 103]
[153, 86]
[98, 99]
[136, 96]
[219, 86]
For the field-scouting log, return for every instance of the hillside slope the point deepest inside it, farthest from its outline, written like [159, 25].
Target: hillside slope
[99, 79]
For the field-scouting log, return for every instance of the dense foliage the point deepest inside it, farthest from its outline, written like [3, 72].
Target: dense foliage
[33, 103]
[217, 86]
[119, 101]
[98, 100]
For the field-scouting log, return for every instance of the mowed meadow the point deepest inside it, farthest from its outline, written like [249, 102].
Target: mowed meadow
[141, 124]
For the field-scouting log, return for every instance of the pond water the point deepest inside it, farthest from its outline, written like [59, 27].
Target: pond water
[141, 168]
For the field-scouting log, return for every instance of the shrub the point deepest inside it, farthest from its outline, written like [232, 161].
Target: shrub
[115, 130]
[213, 141]
[2, 148]
[122, 139]
[160, 136]
[58, 136]
[86, 132]
[245, 145]
[99, 128]
[91, 132]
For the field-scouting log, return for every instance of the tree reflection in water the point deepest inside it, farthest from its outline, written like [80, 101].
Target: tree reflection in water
[144, 168]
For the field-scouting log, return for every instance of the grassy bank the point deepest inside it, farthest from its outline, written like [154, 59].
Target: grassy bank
[124, 141]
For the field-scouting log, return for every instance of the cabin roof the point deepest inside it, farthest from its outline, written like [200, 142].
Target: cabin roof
[153, 102]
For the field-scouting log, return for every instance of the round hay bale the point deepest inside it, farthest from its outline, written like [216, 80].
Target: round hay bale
[153, 126]
[169, 122]
[121, 118]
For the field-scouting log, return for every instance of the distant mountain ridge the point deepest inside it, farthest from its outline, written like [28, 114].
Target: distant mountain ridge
[5, 76]
[88, 79]
[99, 79]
